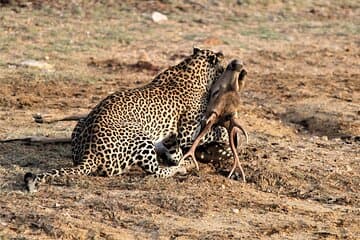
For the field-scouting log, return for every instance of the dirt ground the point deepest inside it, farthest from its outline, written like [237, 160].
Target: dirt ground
[301, 106]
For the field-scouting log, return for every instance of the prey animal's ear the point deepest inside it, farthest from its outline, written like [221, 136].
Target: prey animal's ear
[241, 79]
[196, 50]
[242, 75]
[235, 66]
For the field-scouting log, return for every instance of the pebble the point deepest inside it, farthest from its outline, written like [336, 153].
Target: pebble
[348, 168]
[324, 138]
[158, 17]
[235, 210]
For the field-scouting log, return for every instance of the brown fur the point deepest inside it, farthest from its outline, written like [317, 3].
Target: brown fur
[223, 109]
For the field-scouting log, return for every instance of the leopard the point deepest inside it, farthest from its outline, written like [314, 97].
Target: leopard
[134, 126]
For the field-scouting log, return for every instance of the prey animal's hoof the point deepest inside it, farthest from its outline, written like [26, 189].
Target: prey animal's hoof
[29, 180]
[237, 176]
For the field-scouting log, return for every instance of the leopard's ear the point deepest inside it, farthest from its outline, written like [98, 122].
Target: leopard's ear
[196, 50]
[220, 55]
[212, 59]
[242, 75]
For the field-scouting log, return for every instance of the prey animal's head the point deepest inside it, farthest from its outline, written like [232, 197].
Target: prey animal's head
[223, 110]
[225, 92]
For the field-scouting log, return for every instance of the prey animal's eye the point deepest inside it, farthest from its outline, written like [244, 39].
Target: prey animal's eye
[214, 93]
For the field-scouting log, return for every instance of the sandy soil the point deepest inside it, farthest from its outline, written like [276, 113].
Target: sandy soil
[301, 107]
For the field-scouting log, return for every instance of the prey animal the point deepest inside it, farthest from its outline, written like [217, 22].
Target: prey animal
[223, 110]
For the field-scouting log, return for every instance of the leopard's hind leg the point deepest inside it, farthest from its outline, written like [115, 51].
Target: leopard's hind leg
[146, 156]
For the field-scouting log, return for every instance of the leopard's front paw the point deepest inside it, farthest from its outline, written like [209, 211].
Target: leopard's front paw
[188, 164]
[182, 170]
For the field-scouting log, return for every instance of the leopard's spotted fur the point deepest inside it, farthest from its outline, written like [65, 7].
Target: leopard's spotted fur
[128, 127]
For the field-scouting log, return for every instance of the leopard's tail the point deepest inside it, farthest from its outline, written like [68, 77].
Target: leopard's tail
[32, 181]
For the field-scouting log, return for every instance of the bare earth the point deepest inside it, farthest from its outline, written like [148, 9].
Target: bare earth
[301, 106]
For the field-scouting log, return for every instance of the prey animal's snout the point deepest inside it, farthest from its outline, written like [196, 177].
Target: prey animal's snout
[235, 65]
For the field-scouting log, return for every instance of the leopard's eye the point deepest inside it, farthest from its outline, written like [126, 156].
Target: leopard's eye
[220, 55]
[213, 60]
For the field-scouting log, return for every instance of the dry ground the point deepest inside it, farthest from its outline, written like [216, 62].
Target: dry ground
[301, 107]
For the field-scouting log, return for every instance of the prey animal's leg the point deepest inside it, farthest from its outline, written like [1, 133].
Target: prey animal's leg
[234, 130]
[235, 123]
[191, 153]
[235, 153]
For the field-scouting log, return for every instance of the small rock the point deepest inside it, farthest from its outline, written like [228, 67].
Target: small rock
[314, 138]
[290, 38]
[235, 210]
[37, 64]
[158, 17]
[312, 10]
[12, 66]
[348, 168]
[324, 138]
[3, 223]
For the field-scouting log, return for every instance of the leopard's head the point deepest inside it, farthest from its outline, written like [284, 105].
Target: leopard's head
[205, 66]
[211, 63]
